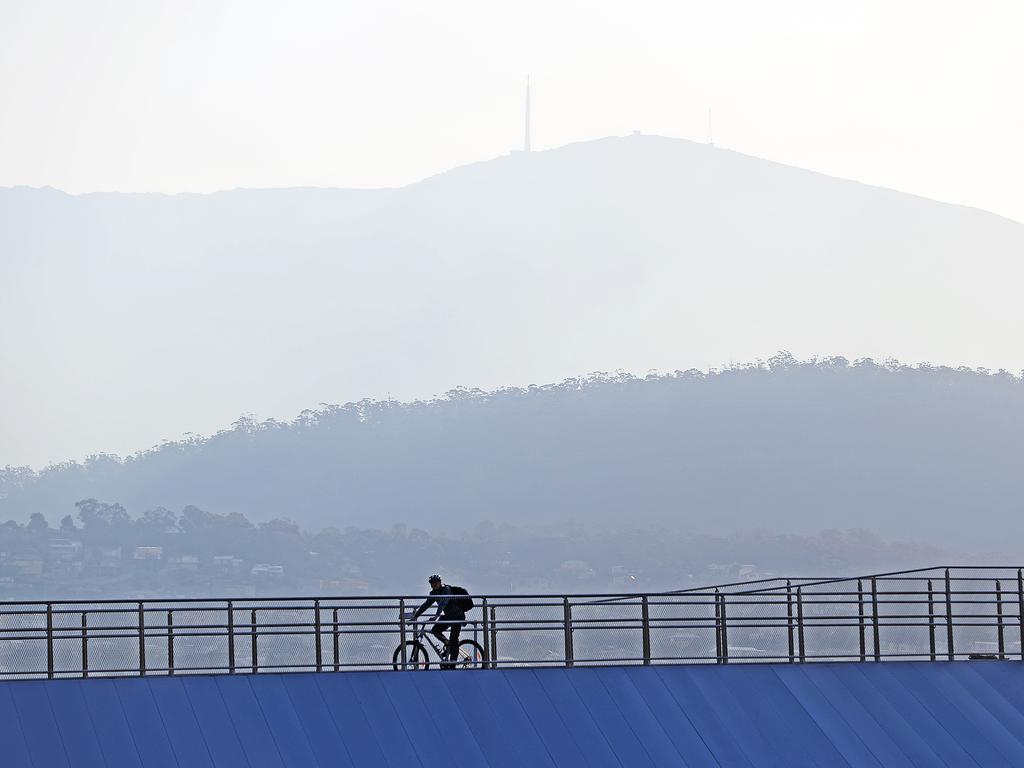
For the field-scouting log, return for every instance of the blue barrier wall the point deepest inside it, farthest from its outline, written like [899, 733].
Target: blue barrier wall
[888, 714]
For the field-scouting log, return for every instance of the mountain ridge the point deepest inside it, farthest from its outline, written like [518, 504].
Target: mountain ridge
[133, 317]
[499, 158]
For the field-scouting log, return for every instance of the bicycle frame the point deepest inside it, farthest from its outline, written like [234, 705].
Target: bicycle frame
[425, 634]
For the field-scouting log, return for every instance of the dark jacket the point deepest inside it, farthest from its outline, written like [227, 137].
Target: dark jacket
[442, 596]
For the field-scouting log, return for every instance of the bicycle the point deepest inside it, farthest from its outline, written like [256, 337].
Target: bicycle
[471, 655]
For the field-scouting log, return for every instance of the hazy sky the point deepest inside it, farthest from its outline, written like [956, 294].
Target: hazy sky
[175, 96]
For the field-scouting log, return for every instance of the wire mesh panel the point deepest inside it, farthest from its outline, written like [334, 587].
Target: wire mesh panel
[110, 639]
[836, 618]
[529, 633]
[906, 617]
[187, 638]
[980, 610]
[67, 642]
[23, 646]
[366, 636]
[684, 628]
[606, 631]
[285, 635]
[759, 627]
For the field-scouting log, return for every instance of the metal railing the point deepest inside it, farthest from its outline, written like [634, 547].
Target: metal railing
[927, 614]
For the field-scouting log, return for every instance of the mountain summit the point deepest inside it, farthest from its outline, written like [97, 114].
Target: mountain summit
[129, 318]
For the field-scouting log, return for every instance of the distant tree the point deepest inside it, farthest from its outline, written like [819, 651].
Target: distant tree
[101, 522]
[67, 526]
[156, 523]
[279, 526]
[37, 524]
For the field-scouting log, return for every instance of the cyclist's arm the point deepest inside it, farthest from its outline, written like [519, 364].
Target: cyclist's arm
[426, 604]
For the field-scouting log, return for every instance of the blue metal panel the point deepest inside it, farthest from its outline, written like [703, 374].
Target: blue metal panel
[182, 726]
[832, 723]
[350, 719]
[39, 726]
[11, 734]
[249, 722]
[986, 696]
[851, 687]
[924, 722]
[891, 714]
[147, 727]
[610, 726]
[324, 739]
[983, 737]
[793, 735]
[411, 711]
[1006, 679]
[214, 720]
[283, 723]
[640, 689]
[544, 717]
[499, 724]
[449, 720]
[592, 742]
[75, 725]
[107, 716]
[366, 691]
[715, 725]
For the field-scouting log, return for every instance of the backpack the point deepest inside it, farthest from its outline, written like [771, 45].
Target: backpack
[463, 604]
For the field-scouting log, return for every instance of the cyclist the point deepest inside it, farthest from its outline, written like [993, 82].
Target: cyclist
[449, 610]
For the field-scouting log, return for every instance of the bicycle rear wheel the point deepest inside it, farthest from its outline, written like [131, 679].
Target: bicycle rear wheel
[415, 656]
[471, 655]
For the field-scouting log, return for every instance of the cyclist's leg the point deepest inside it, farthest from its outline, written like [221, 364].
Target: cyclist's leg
[453, 643]
[438, 631]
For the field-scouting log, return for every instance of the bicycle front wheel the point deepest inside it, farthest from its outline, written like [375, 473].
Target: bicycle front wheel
[415, 656]
[471, 655]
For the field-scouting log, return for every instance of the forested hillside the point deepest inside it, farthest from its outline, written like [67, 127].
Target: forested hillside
[914, 453]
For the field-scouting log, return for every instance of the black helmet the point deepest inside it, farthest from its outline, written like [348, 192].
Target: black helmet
[434, 577]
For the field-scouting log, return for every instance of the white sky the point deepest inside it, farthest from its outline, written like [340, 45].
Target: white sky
[143, 95]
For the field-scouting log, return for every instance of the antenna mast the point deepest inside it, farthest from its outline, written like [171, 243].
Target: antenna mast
[526, 136]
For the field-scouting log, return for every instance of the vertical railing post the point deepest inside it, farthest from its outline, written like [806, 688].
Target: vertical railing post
[401, 632]
[931, 621]
[494, 640]
[336, 648]
[252, 640]
[789, 621]
[487, 633]
[645, 621]
[725, 631]
[1020, 609]
[718, 630]
[170, 642]
[999, 620]
[49, 640]
[567, 625]
[949, 618]
[85, 646]
[861, 629]
[800, 624]
[231, 637]
[316, 632]
[142, 640]
[876, 631]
